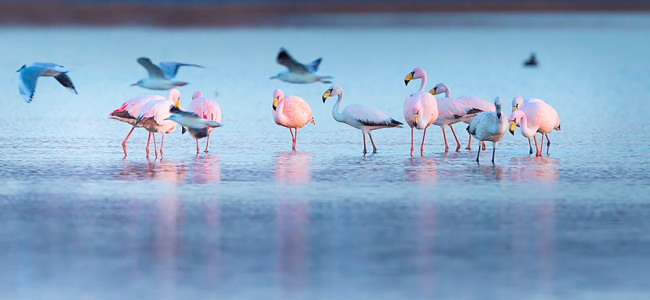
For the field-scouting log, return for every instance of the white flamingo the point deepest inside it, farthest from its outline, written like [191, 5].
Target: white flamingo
[489, 126]
[535, 116]
[420, 108]
[291, 112]
[360, 116]
[205, 108]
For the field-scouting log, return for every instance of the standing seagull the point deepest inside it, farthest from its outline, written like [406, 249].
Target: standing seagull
[291, 112]
[29, 75]
[489, 126]
[299, 73]
[128, 113]
[207, 109]
[360, 116]
[161, 75]
[154, 116]
[420, 108]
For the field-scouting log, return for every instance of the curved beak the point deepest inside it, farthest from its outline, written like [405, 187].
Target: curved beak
[183, 129]
[514, 108]
[432, 91]
[415, 120]
[512, 127]
[408, 78]
[326, 95]
[498, 115]
[275, 102]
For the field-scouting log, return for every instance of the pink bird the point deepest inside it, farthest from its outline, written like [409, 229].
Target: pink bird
[154, 116]
[205, 108]
[420, 108]
[291, 112]
[128, 113]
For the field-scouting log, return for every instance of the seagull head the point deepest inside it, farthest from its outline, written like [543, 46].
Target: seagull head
[138, 83]
[277, 96]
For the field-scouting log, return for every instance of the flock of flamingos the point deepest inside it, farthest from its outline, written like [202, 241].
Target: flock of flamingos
[158, 114]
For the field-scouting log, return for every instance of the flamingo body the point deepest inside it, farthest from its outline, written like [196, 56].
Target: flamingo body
[420, 108]
[291, 112]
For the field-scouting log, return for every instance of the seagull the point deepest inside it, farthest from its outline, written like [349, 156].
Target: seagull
[161, 75]
[360, 116]
[203, 116]
[29, 75]
[128, 112]
[420, 108]
[474, 102]
[531, 62]
[299, 73]
[489, 126]
[536, 116]
[154, 116]
[291, 112]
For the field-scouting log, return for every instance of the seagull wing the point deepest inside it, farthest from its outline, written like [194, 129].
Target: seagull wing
[170, 68]
[154, 71]
[64, 80]
[28, 77]
[313, 66]
[286, 60]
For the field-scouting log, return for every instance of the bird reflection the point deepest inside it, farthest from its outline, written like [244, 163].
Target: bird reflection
[165, 242]
[493, 172]
[292, 244]
[421, 169]
[206, 169]
[540, 169]
[292, 167]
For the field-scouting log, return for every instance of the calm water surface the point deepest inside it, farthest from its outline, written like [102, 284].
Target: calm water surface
[255, 220]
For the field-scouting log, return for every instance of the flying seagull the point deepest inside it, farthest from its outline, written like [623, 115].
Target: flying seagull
[29, 75]
[161, 75]
[299, 73]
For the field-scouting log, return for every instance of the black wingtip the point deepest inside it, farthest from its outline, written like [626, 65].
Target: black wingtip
[395, 122]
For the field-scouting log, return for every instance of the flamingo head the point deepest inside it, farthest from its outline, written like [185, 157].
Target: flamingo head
[439, 89]
[197, 95]
[417, 73]
[517, 102]
[277, 96]
[515, 117]
[175, 97]
[334, 90]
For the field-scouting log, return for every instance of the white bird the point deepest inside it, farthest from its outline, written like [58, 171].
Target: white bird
[29, 75]
[128, 113]
[161, 75]
[208, 117]
[533, 117]
[297, 72]
[489, 126]
[360, 116]
[471, 101]
[420, 108]
[154, 115]
[291, 112]
[518, 102]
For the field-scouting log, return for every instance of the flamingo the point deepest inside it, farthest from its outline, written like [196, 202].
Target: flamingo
[161, 75]
[420, 108]
[291, 112]
[360, 116]
[205, 108]
[489, 126]
[518, 102]
[154, 116]
[29, 75]
[297, 72]
[128, 112]
[533, 117]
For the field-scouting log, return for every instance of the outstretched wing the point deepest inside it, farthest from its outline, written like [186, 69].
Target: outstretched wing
[286, 60]
[64, 80]
[28, 77]
[313, 66]
[170, 68]
[153, 70]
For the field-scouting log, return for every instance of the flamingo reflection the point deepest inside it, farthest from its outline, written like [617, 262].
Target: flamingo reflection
[293, 167]
[540, 169]
[206, 169]
[421, 169]
[292, 244]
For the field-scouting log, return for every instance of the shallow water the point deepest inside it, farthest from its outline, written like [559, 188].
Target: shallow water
[254, 220]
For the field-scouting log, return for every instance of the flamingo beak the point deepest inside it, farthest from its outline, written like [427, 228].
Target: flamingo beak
[515, 107]
[408, 78]
[512, 127]
[275, 102]
[415, 120]
[326, 95]
[183, 129]
[432, 91]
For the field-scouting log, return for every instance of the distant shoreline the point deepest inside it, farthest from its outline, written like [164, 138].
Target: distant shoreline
[166, 15]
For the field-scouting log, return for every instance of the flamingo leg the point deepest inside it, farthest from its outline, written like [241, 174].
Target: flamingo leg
[536, 149]
[162, 140]
[483, 145]
[469, 143]
[478, 154]
[411, 141]
[548, 143]
[295, 139]
[444, 136]
[494, 148]
[125, 139]
[455, 137]
[292, 137]
[422, 145]
[530, 146]
[207, 143]
[197, 147]
[148, 140]
[155, 149]
[374, 148]
[364, 142]
[541, 146]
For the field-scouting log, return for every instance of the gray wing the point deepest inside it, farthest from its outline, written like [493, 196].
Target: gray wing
[170, 68]
[294, 67]
[28, 77]
[65, 81]
[154, 71]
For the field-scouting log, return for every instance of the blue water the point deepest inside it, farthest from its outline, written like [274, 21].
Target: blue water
[253, 219]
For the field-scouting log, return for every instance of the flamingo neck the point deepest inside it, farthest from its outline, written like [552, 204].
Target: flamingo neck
[525, 130]
[336, 114]
[447, 92]
[423, 82]
[280, 110]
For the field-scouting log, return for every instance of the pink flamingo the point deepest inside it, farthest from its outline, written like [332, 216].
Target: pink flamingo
[205, 108]
[534, 117]
[291, 112]
[420, 108]
[128, 112]
[154, 116]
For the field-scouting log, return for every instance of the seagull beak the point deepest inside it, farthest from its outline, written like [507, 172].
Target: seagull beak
[326, 95]
[415, 120]
[512, 127]
[275, 103]
[134, 84]
[408, 78]
[432, 91]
